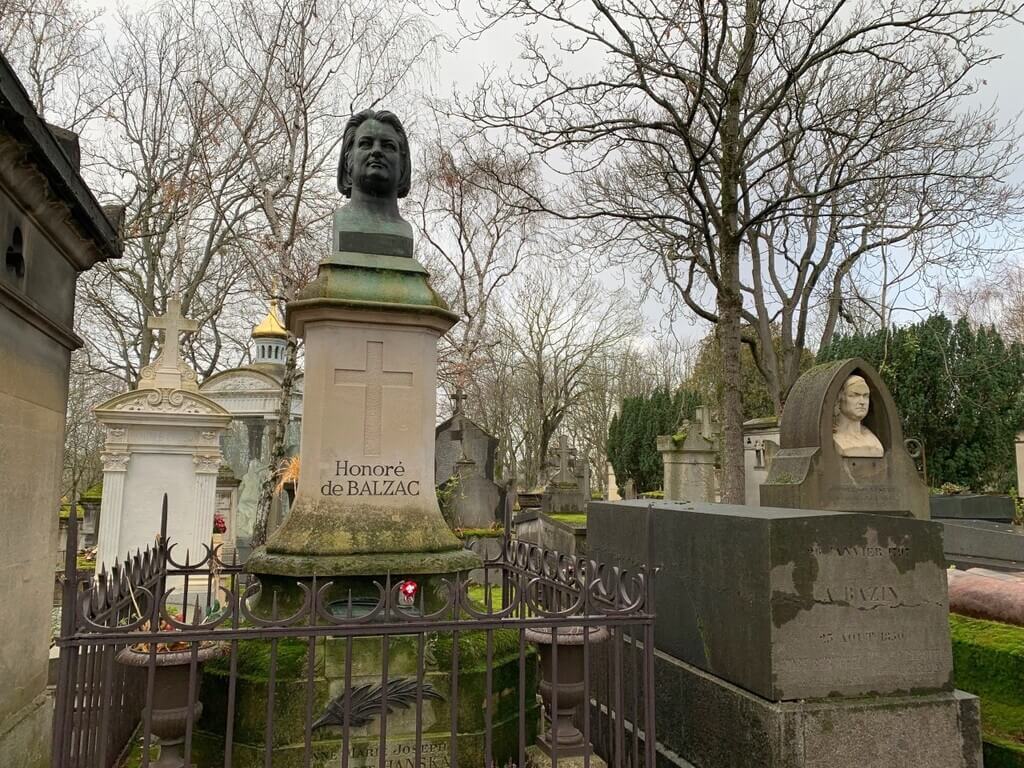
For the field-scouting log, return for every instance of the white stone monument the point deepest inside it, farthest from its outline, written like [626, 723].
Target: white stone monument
[162, 437]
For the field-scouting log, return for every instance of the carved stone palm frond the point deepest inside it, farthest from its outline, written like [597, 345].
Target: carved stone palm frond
[365, 702]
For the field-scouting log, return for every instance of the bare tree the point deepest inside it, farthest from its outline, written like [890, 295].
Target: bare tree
[475, 235]
[558, 326]
[628, 370]
[83, 436]
[995, 298]
[184, 191]
[758, 150]
[52, 45]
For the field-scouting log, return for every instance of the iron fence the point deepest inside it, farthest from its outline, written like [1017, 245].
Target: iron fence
[543, 657]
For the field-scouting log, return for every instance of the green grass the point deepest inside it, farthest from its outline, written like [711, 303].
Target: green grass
[571, 519]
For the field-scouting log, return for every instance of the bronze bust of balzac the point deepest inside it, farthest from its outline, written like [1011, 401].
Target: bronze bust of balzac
[374, 170]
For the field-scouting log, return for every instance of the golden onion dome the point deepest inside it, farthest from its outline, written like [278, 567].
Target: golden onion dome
[270, 327]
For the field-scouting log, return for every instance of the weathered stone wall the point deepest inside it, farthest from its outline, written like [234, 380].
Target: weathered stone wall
[33, 397]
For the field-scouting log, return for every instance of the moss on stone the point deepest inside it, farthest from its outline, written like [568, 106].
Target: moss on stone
[988, 658]
[254, 660]
[405, 563]
[999, 754]
[473, 648]
[65, 511]
[988, 661]
[479, 533]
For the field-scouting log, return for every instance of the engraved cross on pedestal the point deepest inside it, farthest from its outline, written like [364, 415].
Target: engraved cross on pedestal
[373, 378]
[173, 324]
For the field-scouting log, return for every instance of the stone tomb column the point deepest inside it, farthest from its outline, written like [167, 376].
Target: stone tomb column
[115, 467]
[365, 505]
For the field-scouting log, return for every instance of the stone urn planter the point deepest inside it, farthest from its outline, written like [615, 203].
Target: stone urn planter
[562, 732]
[169, 701]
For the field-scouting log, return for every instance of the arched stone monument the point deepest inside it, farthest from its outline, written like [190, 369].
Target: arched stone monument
[842, 447]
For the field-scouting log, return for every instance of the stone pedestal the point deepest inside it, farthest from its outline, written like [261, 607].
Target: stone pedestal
[689, 464]
[563, 494]
[733, 728]
[779, 628]
[477, 499]
[163, 437]
[365, 504]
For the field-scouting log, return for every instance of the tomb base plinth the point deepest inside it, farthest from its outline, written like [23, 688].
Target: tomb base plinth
[287, 579]
[706, 721]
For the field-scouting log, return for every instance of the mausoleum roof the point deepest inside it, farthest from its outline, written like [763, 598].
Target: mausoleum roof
[54, 152]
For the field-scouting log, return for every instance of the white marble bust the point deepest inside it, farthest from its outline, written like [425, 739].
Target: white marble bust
[851, 437]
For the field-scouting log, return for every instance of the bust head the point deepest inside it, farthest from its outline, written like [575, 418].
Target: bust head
[374, 156]
[854, 398]
[850, 436]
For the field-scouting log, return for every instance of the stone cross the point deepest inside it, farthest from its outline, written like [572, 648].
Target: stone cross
[563, 476]
[173, 324]
[373, 378]
[459, 398]
[456, 434]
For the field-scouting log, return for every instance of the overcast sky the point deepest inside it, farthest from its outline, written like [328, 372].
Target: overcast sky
[498, 49]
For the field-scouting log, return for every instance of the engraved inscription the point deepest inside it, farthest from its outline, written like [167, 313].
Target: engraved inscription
[860, 550]
[370, 480]
[396, 755]
[432, 755]
[858, 595]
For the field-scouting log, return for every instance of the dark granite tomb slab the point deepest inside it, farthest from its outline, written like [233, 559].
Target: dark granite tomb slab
[981, 543]
[791, 604]
[972, 506]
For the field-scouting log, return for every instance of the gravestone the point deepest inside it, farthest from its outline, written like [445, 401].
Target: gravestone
[760, 444]
[562, 494]
[458, 436]
[796, 638]
[583, 478]
[688, 459]
[842, 447]
[464, 467]
[972, 506]
[162, 437]
[611, 488]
